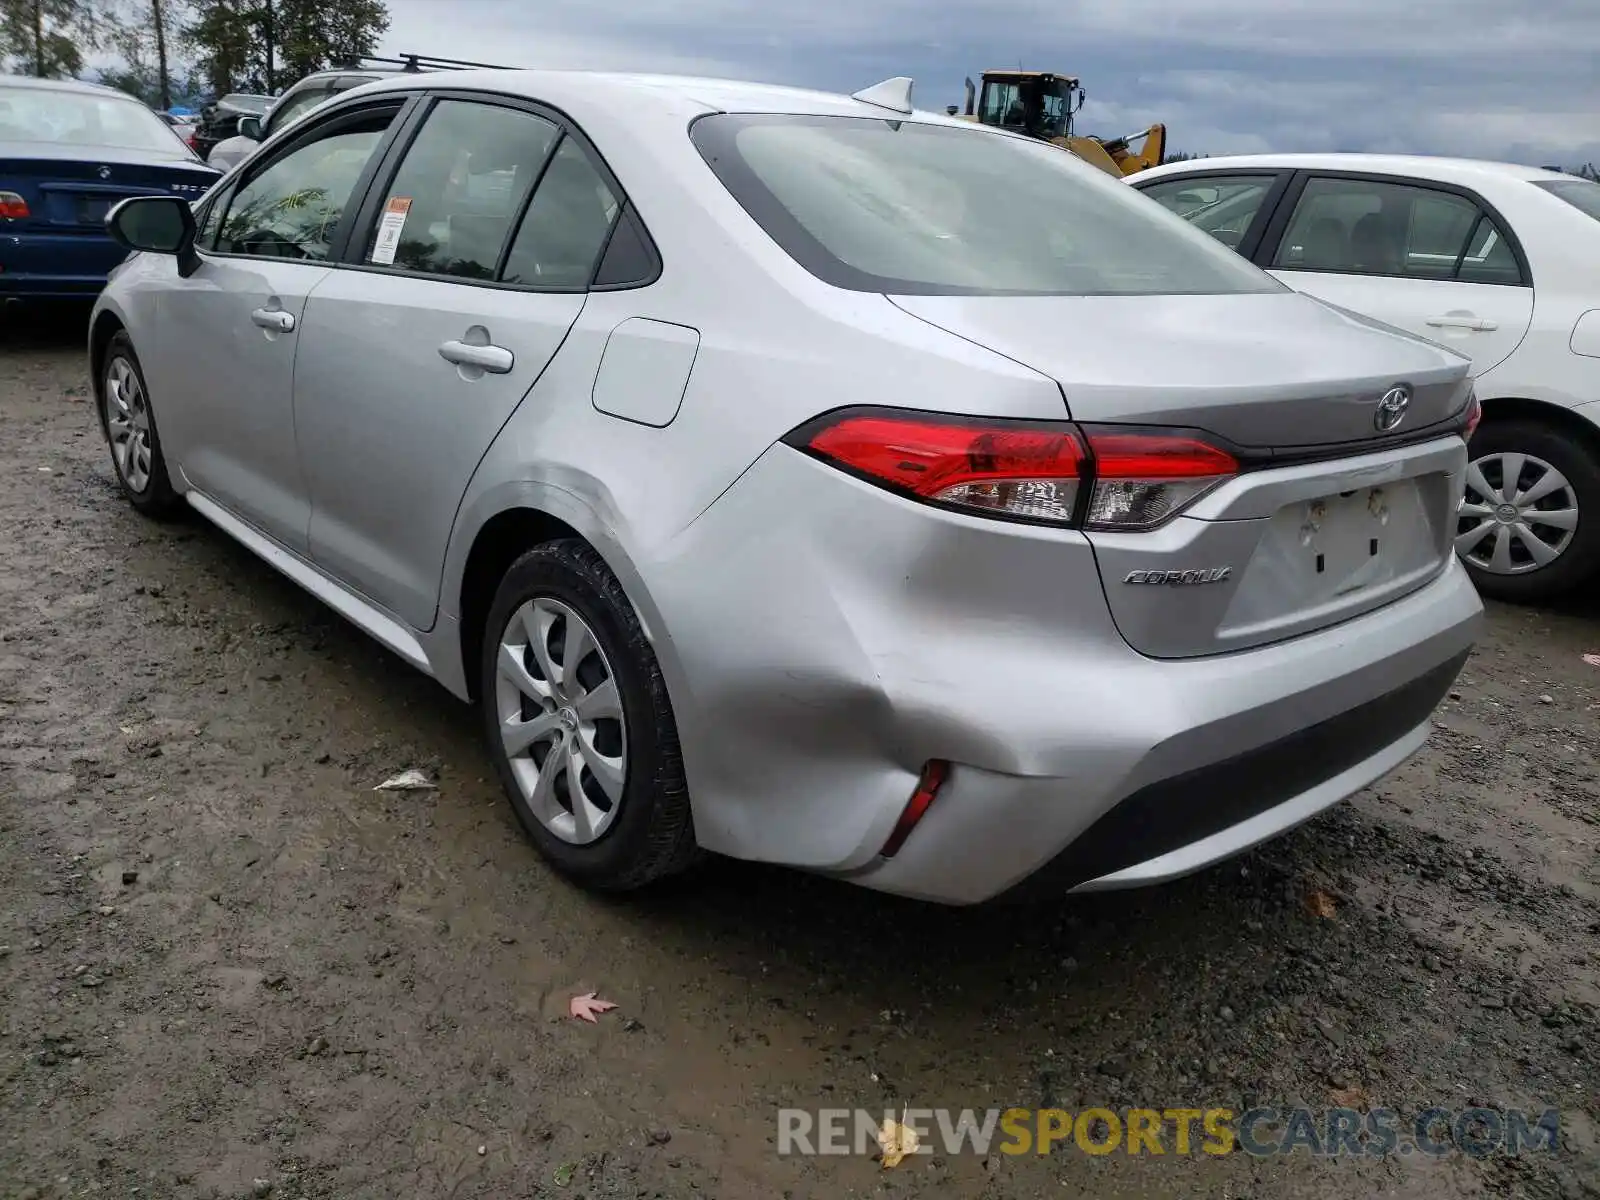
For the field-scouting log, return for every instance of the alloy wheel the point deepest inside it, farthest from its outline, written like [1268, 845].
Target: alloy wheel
[1519, 514]
[561, 722]
[128, 424]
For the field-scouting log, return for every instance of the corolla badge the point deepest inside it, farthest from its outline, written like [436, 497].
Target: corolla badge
[1392, 409]
[1184, 578]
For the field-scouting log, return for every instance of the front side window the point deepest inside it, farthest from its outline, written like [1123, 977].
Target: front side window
[292, 208]
[914, 208]
[457, 194]
[1370, 227]
[1002, 105]
[1223, 206]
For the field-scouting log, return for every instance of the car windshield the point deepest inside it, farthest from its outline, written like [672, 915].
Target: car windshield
[915, 208]
[1582, 194]
[29, 114]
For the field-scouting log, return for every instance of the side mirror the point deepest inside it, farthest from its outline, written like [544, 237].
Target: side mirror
[156, 225]
[250, 127]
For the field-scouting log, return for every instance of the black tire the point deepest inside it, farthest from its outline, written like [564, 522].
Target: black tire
[156, 498]
[1579, 563]
[651, 835]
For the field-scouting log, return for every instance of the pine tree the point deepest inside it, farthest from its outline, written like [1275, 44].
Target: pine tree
[47, 37]
[269, 44]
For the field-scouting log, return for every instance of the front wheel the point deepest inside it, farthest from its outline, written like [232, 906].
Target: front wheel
[1528, 528]
[129, 422]
[579, 723]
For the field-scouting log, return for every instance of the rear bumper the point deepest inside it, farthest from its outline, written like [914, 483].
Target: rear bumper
[828, 639]
[41, 265]
[1357, 711]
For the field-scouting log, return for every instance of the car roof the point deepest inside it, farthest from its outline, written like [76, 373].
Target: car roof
[1423, 166]
[574, 91]
[75, 86]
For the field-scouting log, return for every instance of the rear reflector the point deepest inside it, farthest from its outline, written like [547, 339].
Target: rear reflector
[934, 773]
[12, 207]
[1029, 470]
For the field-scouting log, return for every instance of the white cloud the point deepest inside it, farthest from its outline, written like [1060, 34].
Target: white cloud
[1487, 78]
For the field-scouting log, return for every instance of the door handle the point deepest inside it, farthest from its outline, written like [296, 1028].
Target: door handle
[1476, 324]
[274, 319]
[496, 360]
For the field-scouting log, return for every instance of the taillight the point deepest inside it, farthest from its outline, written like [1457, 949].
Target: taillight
[12, 207]
[1011, 468]
[1144, 477]
[1120, 477]
[1474, 415]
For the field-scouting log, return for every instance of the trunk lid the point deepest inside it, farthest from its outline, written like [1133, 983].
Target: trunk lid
[70, 189]
[1330, 517]
[1272, 370]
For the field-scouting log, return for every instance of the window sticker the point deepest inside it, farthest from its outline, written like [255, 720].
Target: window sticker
[389, 229]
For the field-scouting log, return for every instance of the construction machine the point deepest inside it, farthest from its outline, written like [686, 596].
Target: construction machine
[1043, 104]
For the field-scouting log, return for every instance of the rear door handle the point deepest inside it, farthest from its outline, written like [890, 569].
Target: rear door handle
[496, 360]
[274, 319]
[1476, 324]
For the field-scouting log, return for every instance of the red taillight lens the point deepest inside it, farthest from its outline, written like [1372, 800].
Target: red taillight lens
[12, 207]
[1144, 477]
[1010, 468]
[934, 773]
[1474, 416]
[1136, 478]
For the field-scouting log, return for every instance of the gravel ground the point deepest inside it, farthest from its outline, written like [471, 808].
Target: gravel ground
[228, 967]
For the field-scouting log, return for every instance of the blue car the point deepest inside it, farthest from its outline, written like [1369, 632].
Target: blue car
[68, 152]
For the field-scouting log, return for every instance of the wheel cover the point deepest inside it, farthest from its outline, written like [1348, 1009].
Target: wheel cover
[1519, 514]
[560, 719]
[127, 414]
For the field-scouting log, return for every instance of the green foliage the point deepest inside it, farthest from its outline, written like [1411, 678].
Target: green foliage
[48, 37]
[266, 45]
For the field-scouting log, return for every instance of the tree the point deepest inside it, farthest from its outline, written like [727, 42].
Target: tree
[47, 38]
[144, 36]
[270, 44]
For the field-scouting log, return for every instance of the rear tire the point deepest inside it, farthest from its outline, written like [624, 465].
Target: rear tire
[1501, 535]
[128, 420]
[587, 750]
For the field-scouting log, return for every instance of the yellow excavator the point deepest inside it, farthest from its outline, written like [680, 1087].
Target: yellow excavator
[1042, 104]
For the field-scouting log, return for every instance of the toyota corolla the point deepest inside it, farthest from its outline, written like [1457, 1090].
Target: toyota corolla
[806, 478]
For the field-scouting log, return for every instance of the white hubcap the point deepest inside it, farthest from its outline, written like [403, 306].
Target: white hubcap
[561, 720]
[1518, 514]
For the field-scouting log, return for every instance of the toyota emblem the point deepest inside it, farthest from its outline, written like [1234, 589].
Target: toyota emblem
[1391, 409]
[105, 172]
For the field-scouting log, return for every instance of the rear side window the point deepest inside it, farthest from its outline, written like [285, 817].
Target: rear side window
[1371, 227]
[567, 224]
[917, 208]
[456, 197]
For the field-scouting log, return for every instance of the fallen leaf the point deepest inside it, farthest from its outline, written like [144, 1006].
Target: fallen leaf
[1592, 659]
[896, 1141]
[584, 1007]
[564, 1173]
[1320, 904]
[406, 781]
[1350, 1097]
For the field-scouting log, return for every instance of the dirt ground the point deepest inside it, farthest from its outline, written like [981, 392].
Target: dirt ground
[228, 967]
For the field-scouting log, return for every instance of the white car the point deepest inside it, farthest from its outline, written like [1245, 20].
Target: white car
[1498, 261]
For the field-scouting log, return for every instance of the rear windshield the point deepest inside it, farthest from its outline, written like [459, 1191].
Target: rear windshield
[1582, 194]
[29, 114]
[913, 208]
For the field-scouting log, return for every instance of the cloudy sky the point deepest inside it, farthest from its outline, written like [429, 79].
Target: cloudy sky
[1516, 79]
